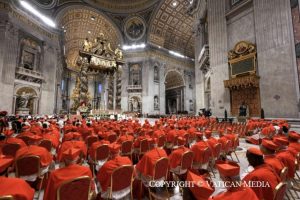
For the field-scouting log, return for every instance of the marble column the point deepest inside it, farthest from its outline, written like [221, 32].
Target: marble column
[115, 91]
[279, 91]
[162, 90]
[9, 48]
[218, 56]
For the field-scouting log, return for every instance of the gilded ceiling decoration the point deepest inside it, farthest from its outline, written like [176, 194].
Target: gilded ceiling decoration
[82, 23]
[122, 6]
[172, 27]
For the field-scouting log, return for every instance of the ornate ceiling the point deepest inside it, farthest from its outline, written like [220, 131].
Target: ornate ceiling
[122, 6]
[81, 23]
[167, 22]
[172, 28]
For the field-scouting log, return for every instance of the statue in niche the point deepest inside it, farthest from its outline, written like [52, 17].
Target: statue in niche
[243, 110]
[156, 103]
[22, 100]
[135, 105]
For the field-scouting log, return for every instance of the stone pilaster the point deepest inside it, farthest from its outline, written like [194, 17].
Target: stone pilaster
[277, 68]
[218, 56]
[10, 52]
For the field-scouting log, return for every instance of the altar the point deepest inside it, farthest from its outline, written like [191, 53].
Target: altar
[98, 58]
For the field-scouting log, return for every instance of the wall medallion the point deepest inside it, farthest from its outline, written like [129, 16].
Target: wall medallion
[46, 4]
[135, 28]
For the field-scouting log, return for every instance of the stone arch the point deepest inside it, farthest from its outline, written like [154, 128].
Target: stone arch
[174, 86]
[26, 100]
[174, 78]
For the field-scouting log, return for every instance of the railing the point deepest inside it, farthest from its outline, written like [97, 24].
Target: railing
[204, 53]
[134, 87]
[203, 59]
[28, 72]
[29, 75]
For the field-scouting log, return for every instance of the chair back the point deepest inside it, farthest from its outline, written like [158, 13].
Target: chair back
[102, 152]
[75, 189]
[227, 146]
[297, 161]
[283, 174]
[217, 150]
[175, 142]
[7, 197]
[10, 149]
[27, 165]
[236, 143]
[26, 139]
[121, 178]
[90, 140]
[161, 141]
[144, 146]
[126, 147]
[161, 168]
[187, 138]
[280, 190]
[187, 160]
[47, 144]
[112, 138]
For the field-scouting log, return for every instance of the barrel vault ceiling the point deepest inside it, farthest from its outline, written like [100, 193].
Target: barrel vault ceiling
[168, 24]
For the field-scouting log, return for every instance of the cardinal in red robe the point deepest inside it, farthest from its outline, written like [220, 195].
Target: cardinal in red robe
[107, 169]
[69, 172]
[262, 173]
[230, 174]
[32, 150]
[268, 148]
[18, 188]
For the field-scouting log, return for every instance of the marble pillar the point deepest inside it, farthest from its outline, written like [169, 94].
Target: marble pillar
[276, 60]
[218, 56]
[9, 48]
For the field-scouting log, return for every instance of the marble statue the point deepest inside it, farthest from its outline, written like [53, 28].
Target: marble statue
[135, 105]
[22, 100]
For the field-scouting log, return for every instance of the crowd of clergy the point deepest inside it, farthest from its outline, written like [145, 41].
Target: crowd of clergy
[87, 158]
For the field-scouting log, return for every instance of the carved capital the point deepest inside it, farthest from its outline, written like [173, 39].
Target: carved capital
[11, 30]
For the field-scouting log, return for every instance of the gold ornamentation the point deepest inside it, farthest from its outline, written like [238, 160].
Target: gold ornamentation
[242, 82]
[119, 54]
[241, 49]
[100, 56]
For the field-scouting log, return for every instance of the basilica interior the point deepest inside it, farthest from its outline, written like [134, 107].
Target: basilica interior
[176, 57]
[208, 65]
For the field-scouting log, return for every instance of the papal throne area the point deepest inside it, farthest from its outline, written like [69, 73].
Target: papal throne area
[149, 99]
